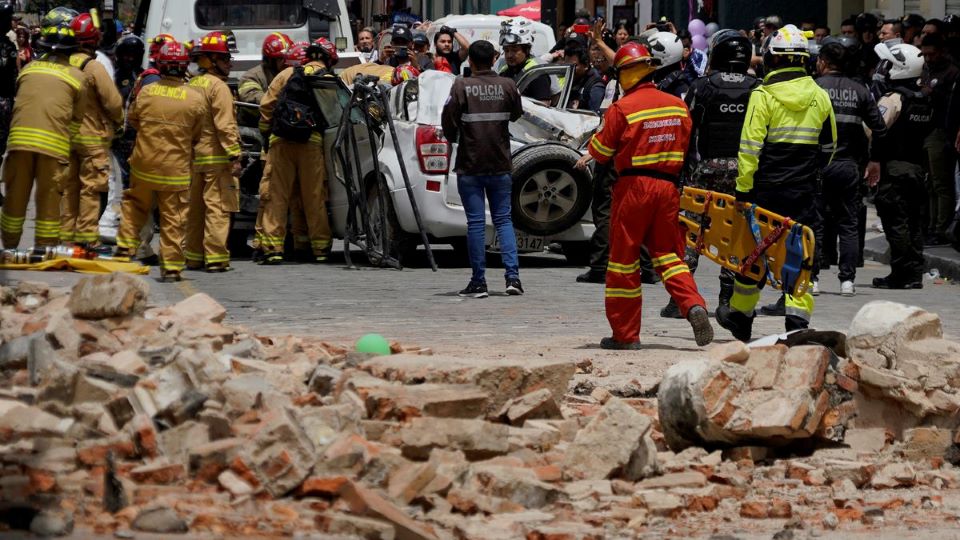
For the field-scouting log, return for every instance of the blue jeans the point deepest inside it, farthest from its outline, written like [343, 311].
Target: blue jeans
[497, 189]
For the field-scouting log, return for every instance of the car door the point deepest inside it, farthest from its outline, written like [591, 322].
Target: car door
[561, 73]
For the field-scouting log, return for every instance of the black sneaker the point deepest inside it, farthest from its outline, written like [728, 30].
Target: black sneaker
[671, 311]
[513, 287]
[592, 276]
[700, 322]
[475, 290]
[778, 309]
[613, 345]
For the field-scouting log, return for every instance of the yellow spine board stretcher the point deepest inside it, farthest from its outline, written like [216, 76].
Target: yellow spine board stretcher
[728, 239]
[83, 266]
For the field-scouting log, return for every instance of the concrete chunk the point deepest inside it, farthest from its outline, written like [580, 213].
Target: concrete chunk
[616, 443]
[476, 438]
[109, 295]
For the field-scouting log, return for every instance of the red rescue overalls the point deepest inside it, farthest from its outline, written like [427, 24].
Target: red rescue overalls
[646, 133]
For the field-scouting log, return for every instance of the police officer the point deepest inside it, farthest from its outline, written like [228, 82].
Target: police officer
[255, 81]
[90, 162]
[789, 125]
[841, 198]
[516, 41]
[8, 76]
[291, 164]
[128, 65]
[214, 190]
[648, 155]
[49, 105]
[908, 114]
[168, 116]
[718, 106]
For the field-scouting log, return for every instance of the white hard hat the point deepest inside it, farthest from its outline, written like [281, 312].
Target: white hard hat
[788, 40]
[516, 31]
[665, 47]
[906, 61]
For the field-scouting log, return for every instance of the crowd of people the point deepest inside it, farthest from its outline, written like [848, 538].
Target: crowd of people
[794, 119]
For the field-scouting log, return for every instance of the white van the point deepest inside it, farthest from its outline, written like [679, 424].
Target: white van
[250, 20]
[487, 27]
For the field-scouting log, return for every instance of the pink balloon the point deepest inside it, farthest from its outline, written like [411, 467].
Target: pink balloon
[699, 42]
[696, 27]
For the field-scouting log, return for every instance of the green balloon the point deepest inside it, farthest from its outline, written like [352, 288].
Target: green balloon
[373, 343]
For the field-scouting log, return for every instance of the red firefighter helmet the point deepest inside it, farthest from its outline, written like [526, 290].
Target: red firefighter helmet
[172, 58]
[86, 28]
[296, 54]
[215, 43]
[157, 43]
[325, 50]
[275, 44]
[404, 73]
[633, 62]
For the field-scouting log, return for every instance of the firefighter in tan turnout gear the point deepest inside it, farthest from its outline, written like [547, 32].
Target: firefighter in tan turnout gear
[47, 112]
[291, 162]
[90, 163]
[215, 191]
[168, 116]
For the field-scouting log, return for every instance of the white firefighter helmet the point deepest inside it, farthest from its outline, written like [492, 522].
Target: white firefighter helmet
[906, 62]
[516, 31]
[788, 40]
[665, 47]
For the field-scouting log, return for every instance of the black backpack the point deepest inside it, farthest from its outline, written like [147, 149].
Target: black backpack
[297, 115]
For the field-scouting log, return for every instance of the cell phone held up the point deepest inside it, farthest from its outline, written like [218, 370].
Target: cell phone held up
[580, 28]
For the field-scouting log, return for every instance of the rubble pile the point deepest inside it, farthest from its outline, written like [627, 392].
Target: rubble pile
[116, 416]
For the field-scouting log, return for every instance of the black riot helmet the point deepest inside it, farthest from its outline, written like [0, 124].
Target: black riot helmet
[851, 55]
[730, 52]
[129, 50]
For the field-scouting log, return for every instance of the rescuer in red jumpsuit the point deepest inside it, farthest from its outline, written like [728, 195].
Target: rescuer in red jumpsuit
[646, 133]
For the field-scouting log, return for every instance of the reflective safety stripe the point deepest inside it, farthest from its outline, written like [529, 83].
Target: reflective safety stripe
[271, 241]
[176, 266]
[661, 112]
[89, 139]
[40, 139]
[217, 258]
[158, 179]
[130, 243]
[796, 134]
[748, 142]
[211, 160]
[192, 255]
[745, 297]
[10, 223]
[600, 148]
[665, 259]
[659, 157]
[72, 81]
[793, 129]
[264, 126]
[485, 117]
[796, 139]
[623, 293]
[86, 237]
[249, 85]
[623, 268]
[799, 306]
[321, 243]
[314, 138]
[66, 236]
[751, 148]
[674, 271]
[233, 150]
[848, 119]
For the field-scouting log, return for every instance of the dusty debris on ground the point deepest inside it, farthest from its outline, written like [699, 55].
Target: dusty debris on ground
[118, 417]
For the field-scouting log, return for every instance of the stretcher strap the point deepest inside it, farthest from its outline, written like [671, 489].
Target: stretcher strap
[704, 219]
[762, 243]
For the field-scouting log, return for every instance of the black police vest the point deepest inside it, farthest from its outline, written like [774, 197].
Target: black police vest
[912, 127]
[725, 107]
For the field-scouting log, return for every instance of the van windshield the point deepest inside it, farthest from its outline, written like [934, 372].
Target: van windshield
[250, 13]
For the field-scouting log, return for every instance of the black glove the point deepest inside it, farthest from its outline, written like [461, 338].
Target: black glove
[265, 146]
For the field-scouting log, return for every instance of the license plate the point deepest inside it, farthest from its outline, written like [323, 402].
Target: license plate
[525, 242]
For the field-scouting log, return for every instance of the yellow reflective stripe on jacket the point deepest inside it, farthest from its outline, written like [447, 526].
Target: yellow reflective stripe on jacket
[50, 68]
[211, 160]
[623, 293]
[158, 179]
[90, 139]
[39, 138]
[249, 85]
[660, 112]
[600, 148]
[233, 150]
[659, 157]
